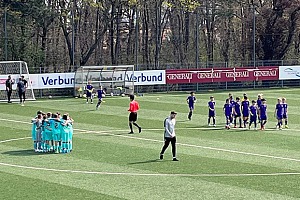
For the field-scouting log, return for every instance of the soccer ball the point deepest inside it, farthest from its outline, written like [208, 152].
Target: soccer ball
[123, 95]
[84, 95]
[112, 94]
[50, 97]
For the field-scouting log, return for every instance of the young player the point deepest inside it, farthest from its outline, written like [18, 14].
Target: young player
[65, 131]
[285, 112]
[228, 113]
[237, 112]
[232, 102]
[89, 92]
[47, 133]
[38, 124]
[100, 93]
[244, 95]
[230, 97]
[56, 131]
[33, 132]
[70, 126]
[258, 103]
[279, 114]
[133, 108]
[263, 114]
[245, 110]
[191, 100]
[253, 114]
[212, 111]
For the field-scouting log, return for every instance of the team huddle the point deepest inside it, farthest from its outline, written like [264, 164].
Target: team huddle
[241, 112]
[52, 132]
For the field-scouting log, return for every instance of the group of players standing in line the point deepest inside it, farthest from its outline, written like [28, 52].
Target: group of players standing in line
[241, 110]
[52, 132]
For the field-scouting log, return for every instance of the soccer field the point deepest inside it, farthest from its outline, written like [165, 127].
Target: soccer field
[109, 163]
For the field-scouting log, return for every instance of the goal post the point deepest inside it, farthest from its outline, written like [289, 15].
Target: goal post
[15, 69]
[115, 80]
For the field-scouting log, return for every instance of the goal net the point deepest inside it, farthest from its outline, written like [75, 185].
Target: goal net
[115, 80]
[15, 69]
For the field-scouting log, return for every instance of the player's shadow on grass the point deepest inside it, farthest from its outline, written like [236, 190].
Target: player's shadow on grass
[23, 152]
[144, 162]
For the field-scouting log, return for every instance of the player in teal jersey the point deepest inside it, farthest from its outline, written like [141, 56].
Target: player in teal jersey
[65, 131]
[56, 131]
[47, 133]
[70, 127]
[33, 132]
[38, 133]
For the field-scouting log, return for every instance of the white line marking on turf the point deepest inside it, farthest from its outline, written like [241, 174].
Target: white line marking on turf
[182, 144]
[16, 139]
[140, 174]
[148, 174]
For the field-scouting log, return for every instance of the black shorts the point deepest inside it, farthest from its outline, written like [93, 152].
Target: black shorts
[132, 116]
[168, 139]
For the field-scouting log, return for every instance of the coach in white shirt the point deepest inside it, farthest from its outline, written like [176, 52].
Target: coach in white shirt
[169, 135]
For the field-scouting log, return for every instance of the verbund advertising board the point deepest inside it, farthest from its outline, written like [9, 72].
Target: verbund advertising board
[222, 75]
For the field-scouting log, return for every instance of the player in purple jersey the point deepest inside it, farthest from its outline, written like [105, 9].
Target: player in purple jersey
[89, 92]
[285, 112]
[100, 94]
[228, 113]
[258, 103]
[231, 101]
[279, 113]
[191, 100]
[253, 114]
[263, 114]
[245, 110]
[211, 111]
[237, 111]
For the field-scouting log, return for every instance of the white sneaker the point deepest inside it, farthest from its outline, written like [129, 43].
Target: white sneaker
[214, 125]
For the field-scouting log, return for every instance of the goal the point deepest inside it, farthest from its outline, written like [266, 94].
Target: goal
[115, 80]
[15, 69]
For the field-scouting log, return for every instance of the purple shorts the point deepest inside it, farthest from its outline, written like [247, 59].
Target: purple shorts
[263, 117]
[211, 113]
[284, 116]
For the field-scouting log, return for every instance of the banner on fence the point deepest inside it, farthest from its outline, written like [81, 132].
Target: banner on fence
[221, 75]
[289, 72]
[66, 80]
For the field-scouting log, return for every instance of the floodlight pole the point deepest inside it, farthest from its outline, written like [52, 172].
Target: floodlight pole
[73, 36]
[254, 37]
[136, 42]
[5, 33]
[197, 39]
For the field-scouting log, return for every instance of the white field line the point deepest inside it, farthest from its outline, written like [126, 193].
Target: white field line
[141, 174]
[16, 139]
[182, 144]
[148, 174]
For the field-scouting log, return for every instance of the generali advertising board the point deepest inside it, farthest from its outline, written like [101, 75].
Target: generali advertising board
[221, 75]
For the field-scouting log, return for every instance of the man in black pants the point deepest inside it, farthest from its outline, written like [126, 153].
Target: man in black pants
[22, 85]
[9, 82]
[169, 135]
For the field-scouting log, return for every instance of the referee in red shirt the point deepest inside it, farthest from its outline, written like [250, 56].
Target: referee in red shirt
[133, 108]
